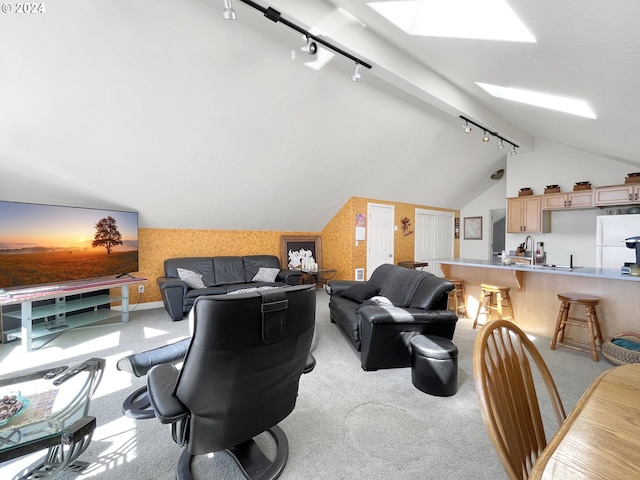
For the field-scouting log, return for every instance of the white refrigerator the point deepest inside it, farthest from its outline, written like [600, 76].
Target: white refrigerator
[611, 231]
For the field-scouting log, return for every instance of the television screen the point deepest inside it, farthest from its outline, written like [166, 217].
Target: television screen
[42, 244]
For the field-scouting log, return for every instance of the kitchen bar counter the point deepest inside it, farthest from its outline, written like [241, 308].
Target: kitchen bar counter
[520, 269]
[534, 292]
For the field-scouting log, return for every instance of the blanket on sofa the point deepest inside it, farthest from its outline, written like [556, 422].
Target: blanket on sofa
[397, 284]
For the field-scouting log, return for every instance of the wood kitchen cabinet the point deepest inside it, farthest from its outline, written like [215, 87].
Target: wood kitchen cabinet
[525, 214]
[617, 195]
[560, 201]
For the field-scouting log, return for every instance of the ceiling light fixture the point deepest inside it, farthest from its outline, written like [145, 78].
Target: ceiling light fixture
[498, 174]
[274, 15]
[310, 47]
[228, 13]
[357, 76]
[488, 134]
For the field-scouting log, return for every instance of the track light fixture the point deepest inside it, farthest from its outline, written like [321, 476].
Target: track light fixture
[310, 47]
[228, 13]
[272, 14]
[488, 134]
[356, 75]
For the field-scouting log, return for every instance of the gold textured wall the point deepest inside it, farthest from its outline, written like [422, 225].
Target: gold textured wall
[339, 250]
[338, 240]
[338, 244]
[156, 245]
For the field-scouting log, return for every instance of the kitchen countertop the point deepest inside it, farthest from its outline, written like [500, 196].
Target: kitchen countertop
[519, 269]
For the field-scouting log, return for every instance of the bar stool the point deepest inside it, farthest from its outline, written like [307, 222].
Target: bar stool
[495, 298]
[457, 296]
[591, 323]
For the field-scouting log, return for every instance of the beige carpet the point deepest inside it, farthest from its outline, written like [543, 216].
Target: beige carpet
[348, 424]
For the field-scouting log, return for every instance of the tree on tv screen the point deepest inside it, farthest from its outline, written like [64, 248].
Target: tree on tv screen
[107, 234]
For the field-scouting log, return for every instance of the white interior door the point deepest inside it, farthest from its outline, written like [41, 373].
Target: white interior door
[434, 237]
[380, 231]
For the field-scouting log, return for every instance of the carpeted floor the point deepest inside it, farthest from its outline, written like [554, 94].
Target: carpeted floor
[347, 424]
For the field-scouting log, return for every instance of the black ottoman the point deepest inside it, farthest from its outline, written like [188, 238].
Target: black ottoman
[434, 365]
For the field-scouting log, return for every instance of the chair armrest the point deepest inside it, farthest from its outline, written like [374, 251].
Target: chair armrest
[173, 291]
[161, 384]
[140, 363]
[168, 282]
[291, 277]
[375, 314]
[334, 287]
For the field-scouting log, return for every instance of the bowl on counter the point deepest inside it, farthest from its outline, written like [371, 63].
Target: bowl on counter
[634, 210]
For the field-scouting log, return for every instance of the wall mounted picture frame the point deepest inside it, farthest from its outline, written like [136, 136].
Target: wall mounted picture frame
[472, 228]
[295, 248]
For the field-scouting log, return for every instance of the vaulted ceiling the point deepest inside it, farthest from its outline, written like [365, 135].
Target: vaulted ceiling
[198, 122]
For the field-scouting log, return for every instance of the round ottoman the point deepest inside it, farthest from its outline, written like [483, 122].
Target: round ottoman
[434, 365]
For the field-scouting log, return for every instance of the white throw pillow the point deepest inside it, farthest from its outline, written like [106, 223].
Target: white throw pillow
[266, 275]
[191, 278]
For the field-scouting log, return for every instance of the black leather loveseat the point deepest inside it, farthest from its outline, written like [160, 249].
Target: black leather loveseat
[380, 316]
[187, 278]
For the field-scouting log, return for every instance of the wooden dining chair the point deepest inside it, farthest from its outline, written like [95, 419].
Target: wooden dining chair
[503, 358]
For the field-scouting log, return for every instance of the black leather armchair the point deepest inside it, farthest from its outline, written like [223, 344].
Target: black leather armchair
[239, 377]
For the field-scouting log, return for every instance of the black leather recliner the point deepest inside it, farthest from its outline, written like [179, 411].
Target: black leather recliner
[239, 377]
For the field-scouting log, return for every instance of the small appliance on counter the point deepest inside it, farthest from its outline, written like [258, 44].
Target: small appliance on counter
[630, 267]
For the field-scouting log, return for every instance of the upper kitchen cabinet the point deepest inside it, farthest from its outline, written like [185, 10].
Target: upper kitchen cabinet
[617, 195]
[525, 214]
[560, 201]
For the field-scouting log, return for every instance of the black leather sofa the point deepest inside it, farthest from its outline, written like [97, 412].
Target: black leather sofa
[380, 316]
[216, 275]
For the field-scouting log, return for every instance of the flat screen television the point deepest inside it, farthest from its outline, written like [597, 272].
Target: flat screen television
[44, 244]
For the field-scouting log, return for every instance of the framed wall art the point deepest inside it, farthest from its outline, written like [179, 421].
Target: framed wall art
[472, 228]
[296, 248]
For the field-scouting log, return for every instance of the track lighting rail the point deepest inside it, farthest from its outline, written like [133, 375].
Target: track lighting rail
[275, 17]
[488, 132]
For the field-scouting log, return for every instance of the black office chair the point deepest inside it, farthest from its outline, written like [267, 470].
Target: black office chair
[239, 377]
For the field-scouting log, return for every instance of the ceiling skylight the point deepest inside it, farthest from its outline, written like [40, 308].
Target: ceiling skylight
[476, 19]
[553, 102]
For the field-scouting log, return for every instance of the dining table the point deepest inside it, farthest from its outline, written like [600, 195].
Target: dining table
[600, 439]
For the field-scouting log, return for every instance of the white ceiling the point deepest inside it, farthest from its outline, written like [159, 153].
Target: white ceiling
[586, 49]
[198, 122]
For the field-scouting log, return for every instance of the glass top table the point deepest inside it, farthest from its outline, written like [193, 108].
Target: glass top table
[48, 409]
[317, 277]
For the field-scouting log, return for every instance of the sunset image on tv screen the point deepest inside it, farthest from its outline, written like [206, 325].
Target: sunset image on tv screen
[48, 243]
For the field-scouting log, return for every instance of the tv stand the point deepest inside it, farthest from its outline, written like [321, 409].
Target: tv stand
[59, 292]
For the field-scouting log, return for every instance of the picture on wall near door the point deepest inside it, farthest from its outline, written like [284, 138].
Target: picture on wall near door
[294, 249]
[472, 228]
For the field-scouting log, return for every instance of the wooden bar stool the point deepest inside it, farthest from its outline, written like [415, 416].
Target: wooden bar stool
[457, 296]
[495, 298]
[591, 323]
